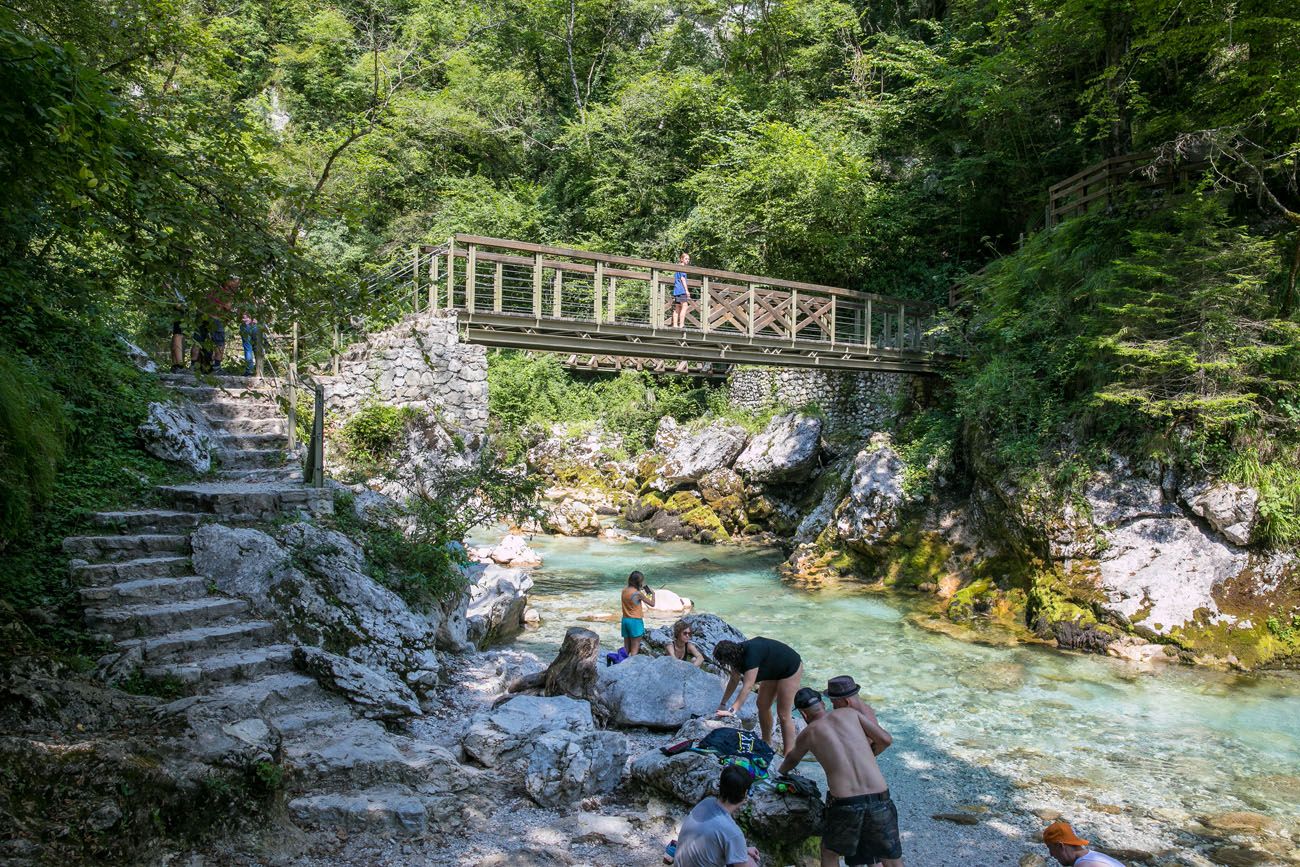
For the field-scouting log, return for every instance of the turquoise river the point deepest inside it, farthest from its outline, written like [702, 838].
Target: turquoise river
[1175, 740]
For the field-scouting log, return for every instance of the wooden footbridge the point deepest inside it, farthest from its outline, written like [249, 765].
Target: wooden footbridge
[531, 296]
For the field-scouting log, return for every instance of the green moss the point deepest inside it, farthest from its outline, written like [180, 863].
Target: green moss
[1053, 599]
[652, 501]
[916, 558]
[702, 518]
[967, 600]
[1252, 647]
[648, 464]
[682, 501]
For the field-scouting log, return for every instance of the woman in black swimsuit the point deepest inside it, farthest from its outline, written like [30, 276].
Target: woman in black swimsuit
[776, 668]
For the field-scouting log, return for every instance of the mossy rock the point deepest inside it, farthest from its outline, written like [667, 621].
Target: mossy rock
[751, 530]
[652, 501]
[974, 598]
[703, 518]
[731, 510]
[648, 464]
[916, 558]
[682, 501]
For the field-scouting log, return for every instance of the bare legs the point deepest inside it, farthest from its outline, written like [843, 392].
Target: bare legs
[632, 646]
[785, 690]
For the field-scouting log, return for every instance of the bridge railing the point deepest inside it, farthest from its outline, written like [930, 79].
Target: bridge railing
[494, 277]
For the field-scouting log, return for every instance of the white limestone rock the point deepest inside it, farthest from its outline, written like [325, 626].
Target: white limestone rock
[668, 602]
[686, 777]
[698, 453]
[785, 451]
[498, 598]
[660, 692]
[565, 767]
[504, 735]
[138, 357]
[572, 518]
[513, 551]
[378, 694]
[872, 509]
[1231, 509]
[667, 433]
[177, 435]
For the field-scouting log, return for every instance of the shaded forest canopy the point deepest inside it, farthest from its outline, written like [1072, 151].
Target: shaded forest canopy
[151, 147]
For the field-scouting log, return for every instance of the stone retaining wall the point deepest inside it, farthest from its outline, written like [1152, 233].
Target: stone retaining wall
[419, 362]
[853, 402]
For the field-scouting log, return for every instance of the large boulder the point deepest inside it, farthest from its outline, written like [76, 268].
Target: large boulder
[572, 518]
[660, 692]
[721, 484]
[667, 433]
[872, 509]
[177, 435]
[565, 767]
[315, 582]
[786, 450]
[699, 453]
[773, 817]
[570, 456]
[498, 598]
[513, 551]
[706, 631]
[505, 735]
[380, 695]
[1230, 509]
[668, 602]
[686, 777]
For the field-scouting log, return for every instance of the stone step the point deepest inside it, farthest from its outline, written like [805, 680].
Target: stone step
[236, 409]
[262, 697]
[253, 501]
[228, 381]
[125, 547]
[301, 719]
[252, 442]
[191, 643]
[252, 459]
[203, 394]
[355, 753]
[160, 618]
[387, 809]
[245, 425]
[147, 520]
[146, 590]
[131, 570]
[264, 474]
[227, 665]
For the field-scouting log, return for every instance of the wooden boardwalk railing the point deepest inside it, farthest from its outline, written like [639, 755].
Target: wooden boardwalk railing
[533, 296]
[1099, 185]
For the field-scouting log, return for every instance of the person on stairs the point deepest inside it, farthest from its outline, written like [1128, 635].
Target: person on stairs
[775, 667]
[1067, 848]
[710, 836]
[861, 822]
[635, 595]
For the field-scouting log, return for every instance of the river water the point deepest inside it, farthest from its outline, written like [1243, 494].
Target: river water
[1181, 739]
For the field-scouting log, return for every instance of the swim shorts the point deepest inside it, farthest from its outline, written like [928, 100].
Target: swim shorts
[863, 828]
[633, 627]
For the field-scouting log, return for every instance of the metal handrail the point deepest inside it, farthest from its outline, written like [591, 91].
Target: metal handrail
[290, 382]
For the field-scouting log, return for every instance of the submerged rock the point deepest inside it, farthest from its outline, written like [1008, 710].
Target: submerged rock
[176, 435]
[785, 451]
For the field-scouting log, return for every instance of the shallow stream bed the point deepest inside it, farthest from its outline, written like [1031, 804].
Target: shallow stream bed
[998, 732]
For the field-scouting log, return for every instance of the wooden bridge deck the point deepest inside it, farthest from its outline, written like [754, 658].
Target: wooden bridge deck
[530, 296]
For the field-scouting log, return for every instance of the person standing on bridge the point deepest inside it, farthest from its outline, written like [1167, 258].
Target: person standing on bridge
[681, 295]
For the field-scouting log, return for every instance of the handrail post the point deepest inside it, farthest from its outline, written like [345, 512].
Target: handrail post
[751, 309]
[557, 305]
[656, 308]
[902, 327]
[834, 311]
[433, 281]
[613, 297]
[794, 312]
[537, 285]
[415, 281]
[598, 282]
[497, 282]
[471, 275]
[704, 305]
[868, 328]
[318, 439]
[451, 273]
[334, 354]
[292, 388]
[259, 351]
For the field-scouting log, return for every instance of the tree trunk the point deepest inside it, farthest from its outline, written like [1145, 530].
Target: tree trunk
[571, 673]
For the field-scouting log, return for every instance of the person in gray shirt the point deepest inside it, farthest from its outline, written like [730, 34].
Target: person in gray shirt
[710, 836]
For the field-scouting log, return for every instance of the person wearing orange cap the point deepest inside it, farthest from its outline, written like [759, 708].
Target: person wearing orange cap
[1066, 847]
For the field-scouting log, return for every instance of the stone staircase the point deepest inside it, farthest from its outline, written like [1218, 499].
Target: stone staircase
[140, 594]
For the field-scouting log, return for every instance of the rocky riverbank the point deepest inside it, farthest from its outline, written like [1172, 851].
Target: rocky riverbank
[1151, 563]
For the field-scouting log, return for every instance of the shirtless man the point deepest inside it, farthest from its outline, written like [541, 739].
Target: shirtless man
[861, 822]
